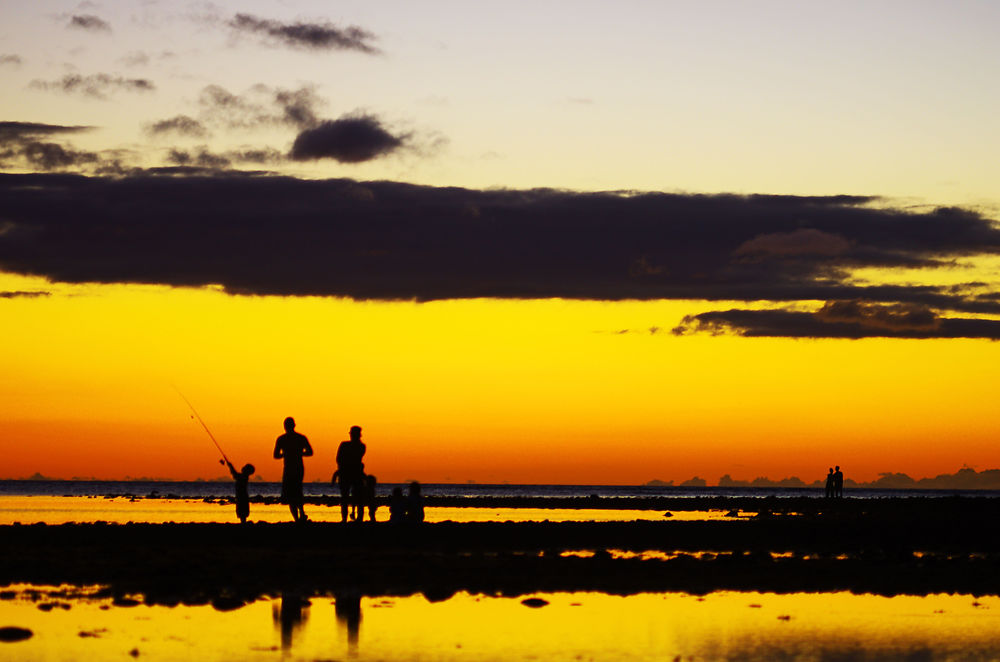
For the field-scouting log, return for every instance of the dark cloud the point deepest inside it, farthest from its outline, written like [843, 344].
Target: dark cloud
[26, 143]
[202, 157]
[200, 224]
[20, 130]
[841, 319]
[260, 106]
[10, 60]
[348, 140]
[89, 22]
[179, 124]
[98, 86]
[318, 36]
[16, 294]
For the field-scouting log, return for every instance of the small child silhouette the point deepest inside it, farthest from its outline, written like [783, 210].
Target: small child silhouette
[242, 479]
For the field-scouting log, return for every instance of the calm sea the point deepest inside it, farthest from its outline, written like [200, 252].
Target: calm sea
[207, 489]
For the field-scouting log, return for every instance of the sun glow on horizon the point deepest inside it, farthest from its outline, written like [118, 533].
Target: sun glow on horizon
[534, 391]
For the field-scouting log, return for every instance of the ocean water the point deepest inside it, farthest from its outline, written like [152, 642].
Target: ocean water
[211, 489]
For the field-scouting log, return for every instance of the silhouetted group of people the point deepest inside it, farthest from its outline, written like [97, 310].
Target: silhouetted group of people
[357, 489]
[835, 484]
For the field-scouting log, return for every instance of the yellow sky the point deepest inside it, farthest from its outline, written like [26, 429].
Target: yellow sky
[485, 390]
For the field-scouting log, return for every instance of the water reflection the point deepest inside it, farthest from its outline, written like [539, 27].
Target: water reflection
[347, 605]
[289, 614]
[838, 627]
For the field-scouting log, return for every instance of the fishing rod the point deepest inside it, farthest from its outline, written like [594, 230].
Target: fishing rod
[224, 460]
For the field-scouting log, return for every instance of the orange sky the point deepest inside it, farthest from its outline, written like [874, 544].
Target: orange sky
[484, 390]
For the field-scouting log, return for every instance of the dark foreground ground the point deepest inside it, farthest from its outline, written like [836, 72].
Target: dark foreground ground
[885, 546]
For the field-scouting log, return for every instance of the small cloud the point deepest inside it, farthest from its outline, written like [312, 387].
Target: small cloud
[23, 295]
[89, 22]
[136, 59]
[97, 86]
[179, 124]
[260, 106]
[347, 140]
[202, 157]
[306, 36]
[10, 60]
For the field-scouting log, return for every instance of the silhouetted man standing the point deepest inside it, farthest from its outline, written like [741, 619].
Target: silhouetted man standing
[292, 447]
[829, 484]
[838, 483]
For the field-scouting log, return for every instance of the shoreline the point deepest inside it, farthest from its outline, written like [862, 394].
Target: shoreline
[886, 547]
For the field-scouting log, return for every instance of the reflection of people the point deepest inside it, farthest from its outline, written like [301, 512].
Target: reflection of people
[414, 504]
[350, 474]
[242, 479]
[838, 483]
[829, 484]
[347, 606]
[288, 616]
[292, 447]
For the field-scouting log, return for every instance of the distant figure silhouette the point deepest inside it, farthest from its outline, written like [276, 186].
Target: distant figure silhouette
[350, 474]
[292, 447]
[242, 479]
[829, 484]
[414, 504]
[397, 506]
[838, 483]
[370, 499]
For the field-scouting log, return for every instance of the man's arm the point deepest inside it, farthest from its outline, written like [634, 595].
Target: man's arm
[307, 449]
[278, 449]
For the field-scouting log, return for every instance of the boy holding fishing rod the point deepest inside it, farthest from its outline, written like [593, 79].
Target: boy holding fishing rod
[242, 479]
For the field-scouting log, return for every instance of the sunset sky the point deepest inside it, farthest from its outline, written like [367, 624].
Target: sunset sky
[542, 242]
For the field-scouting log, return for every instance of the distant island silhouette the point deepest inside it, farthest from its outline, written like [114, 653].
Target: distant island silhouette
[965, 478]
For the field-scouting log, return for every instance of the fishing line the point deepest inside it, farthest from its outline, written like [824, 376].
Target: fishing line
[224, 460]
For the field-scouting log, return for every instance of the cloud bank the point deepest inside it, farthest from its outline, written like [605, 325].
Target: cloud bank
[393, 241]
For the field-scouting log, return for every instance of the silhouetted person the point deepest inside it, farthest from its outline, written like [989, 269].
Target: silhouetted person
[242, 479]
[829, 484]
[292, 447]
[370, 498]
[397, 506]
[414, 504]
[350, 473]
[838, 483]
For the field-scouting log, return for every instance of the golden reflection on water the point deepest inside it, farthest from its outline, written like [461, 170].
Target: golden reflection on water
[119, 510]
[567, 626]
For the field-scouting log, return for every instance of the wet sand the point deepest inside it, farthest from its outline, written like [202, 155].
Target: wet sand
[885, 546]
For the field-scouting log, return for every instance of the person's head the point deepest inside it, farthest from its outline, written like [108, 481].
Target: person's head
[831, 469]
[838, 467]
[248, 469]
[415, 488]
[289, 424]
[356, 433]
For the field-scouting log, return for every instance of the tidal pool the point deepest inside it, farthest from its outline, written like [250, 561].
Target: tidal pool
[69, 624]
